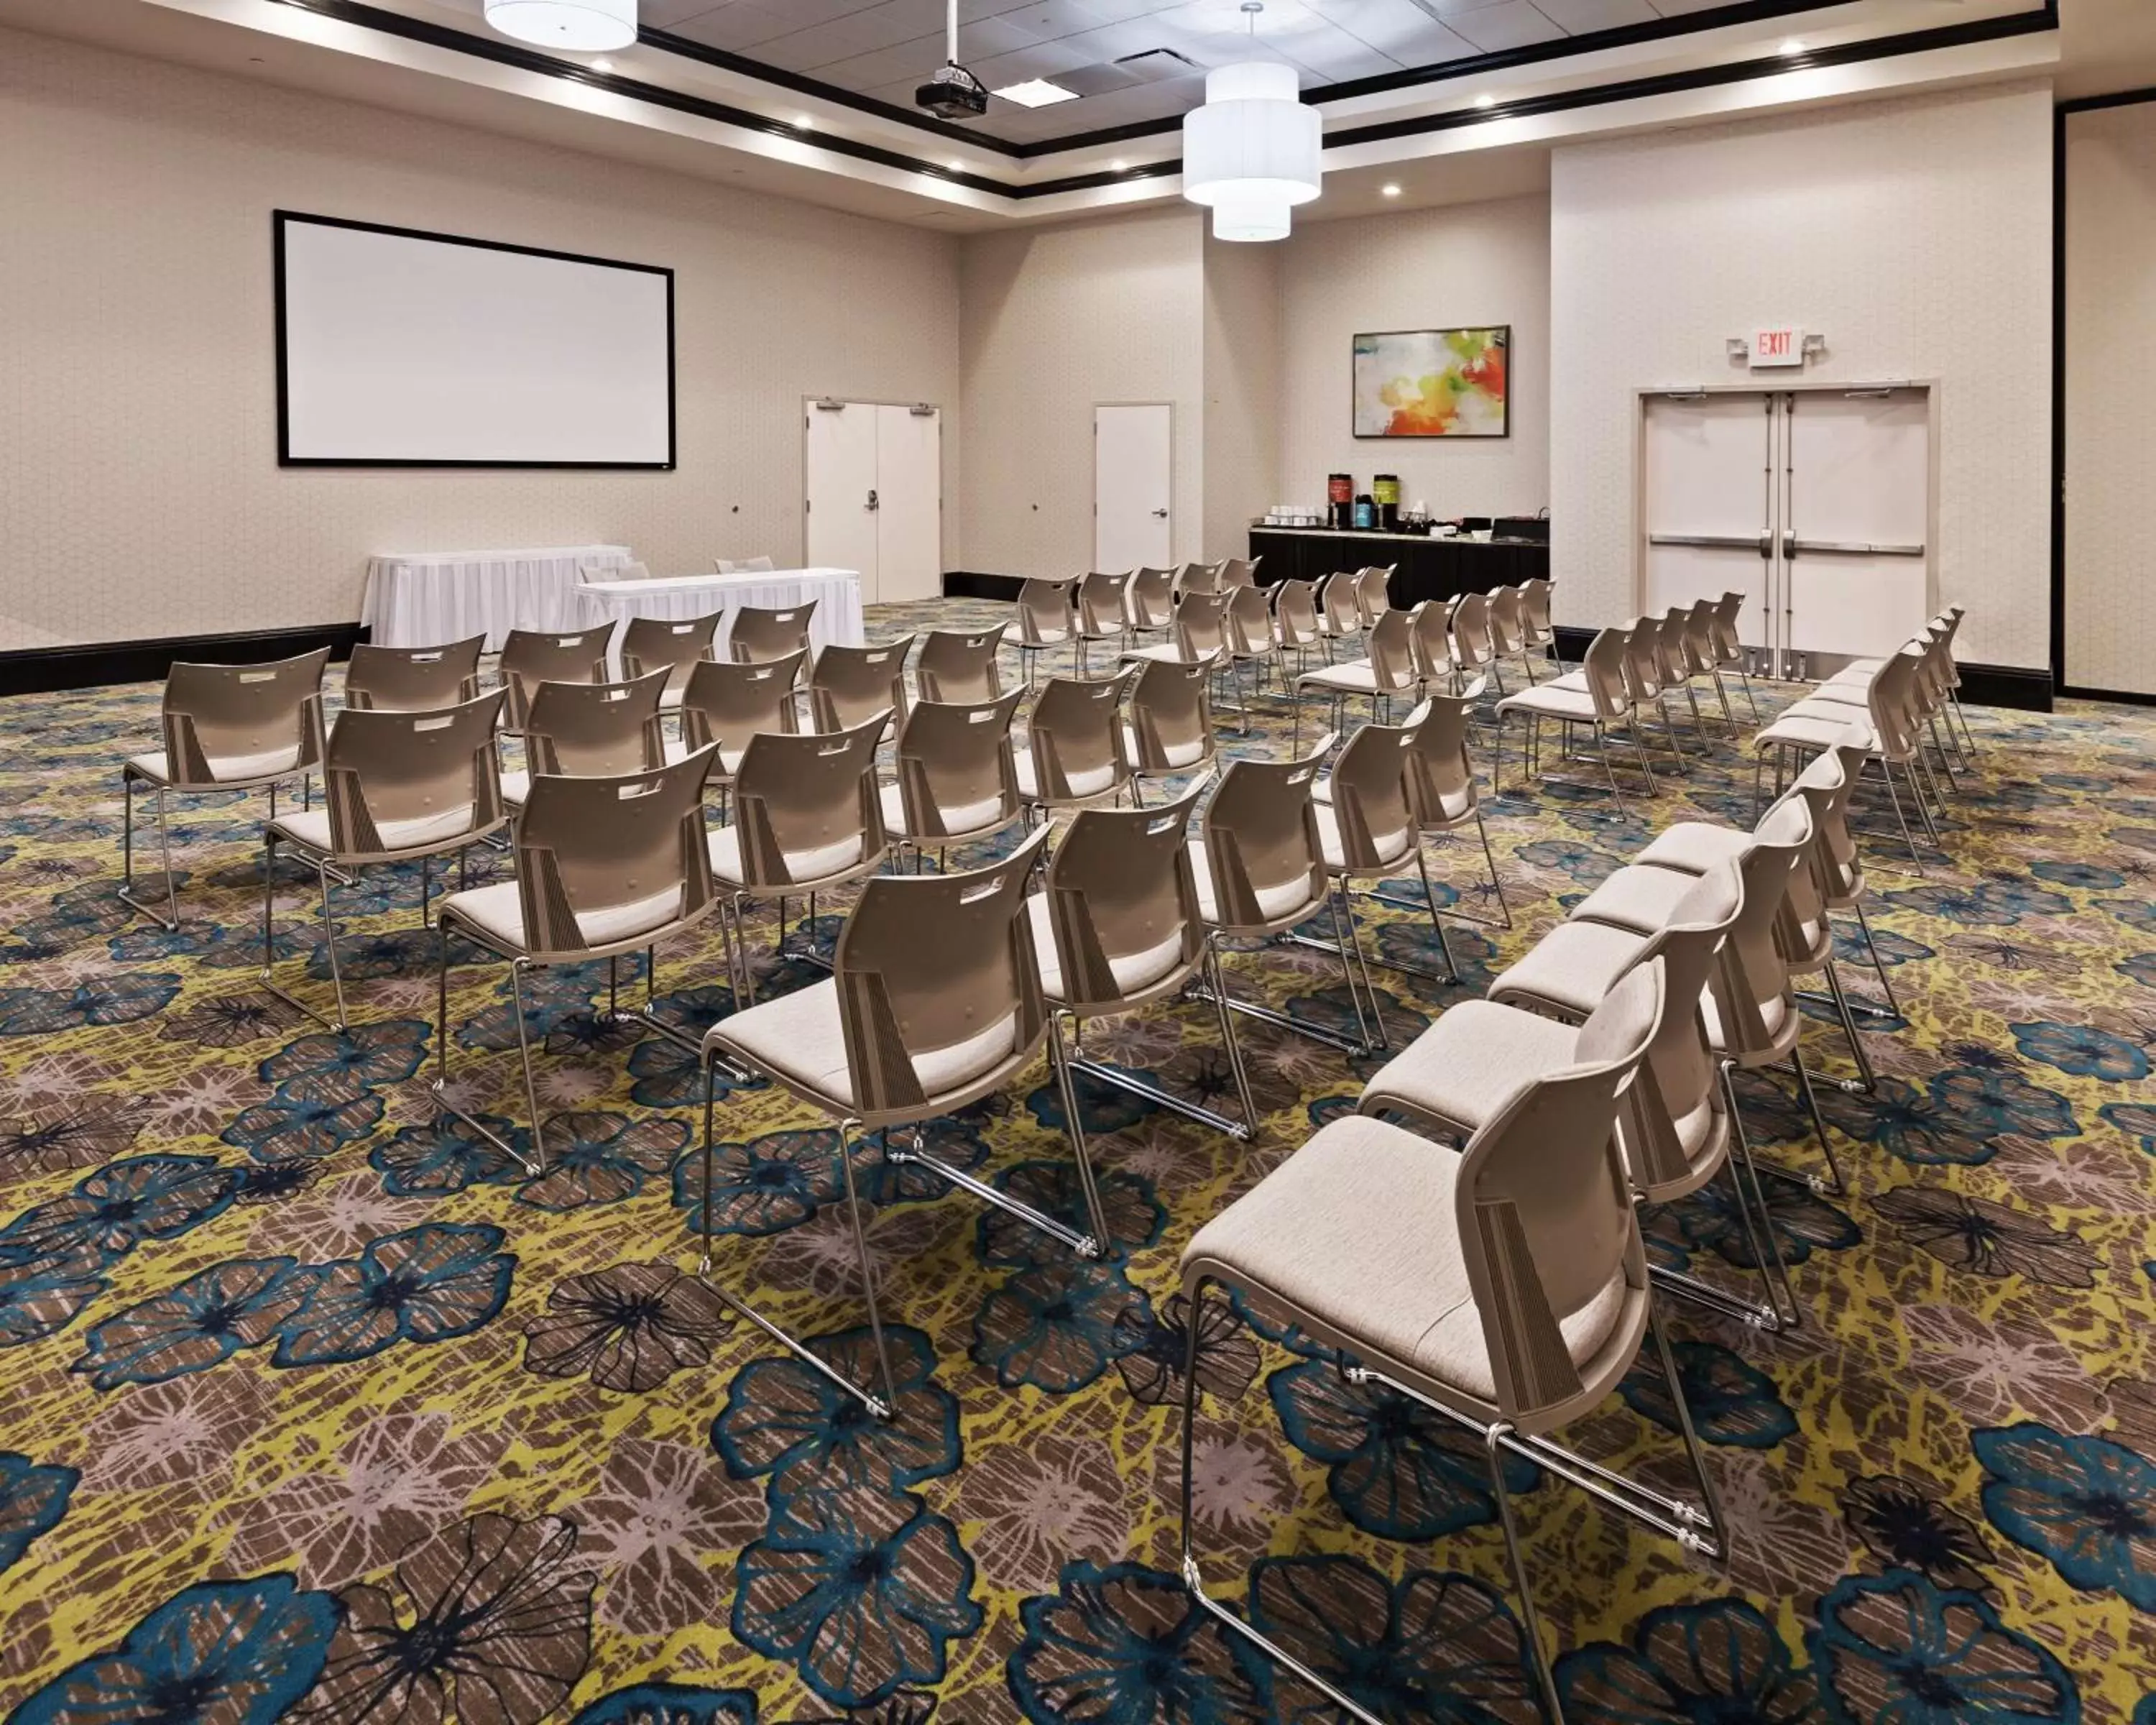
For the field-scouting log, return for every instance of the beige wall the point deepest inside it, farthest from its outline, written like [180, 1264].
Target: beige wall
[139, 486]
[1464, 264]
[1243, 361]
[2111, 398]
[1055, 321]
[1915, 234]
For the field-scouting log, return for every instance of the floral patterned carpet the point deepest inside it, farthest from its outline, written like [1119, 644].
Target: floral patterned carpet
[316, 1407]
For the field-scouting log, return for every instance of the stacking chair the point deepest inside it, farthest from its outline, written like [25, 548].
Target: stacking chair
[1241, 572]
[1119, 927]
[1198, 578]
[1504, 1289]
[396, 786]
[1260, 868]
[1429, 645]
[807, 817]
[1171, 721]
[1249, 640]
[1644, 687]
[1674, 1124]
[846, 685]
[1339, 614]
[413, 679]
[1103, 613]
[1076, 752]
[957, 779]
[1949, 624]
[1729, 651]
[1702, 655]
[677, 644]
[1373, 594]
[227, 727]
[590, 730]
[934, 1001]
[1509, 633]
[1047, 618]
[1199, 630]
[531, 657]
[1296, 626]
[1390, 669]
[960, 665]
[1599, 701]
[1535, 607]
[1674, 658]
[758, 633]
[1473, 646]
[727, 703]
[1149, 603]
[1886, 732]
[604, 866]
[1443, 797]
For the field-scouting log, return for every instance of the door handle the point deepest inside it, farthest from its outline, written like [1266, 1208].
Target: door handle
[1162, 513]
[872, 502]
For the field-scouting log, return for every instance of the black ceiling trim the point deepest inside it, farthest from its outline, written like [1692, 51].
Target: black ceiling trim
[2115, 98]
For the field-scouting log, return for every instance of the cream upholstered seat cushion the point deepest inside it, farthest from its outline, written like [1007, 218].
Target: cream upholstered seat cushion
[1281, 899]
[1357, 676]
[1469, 1063]
[1358, 1230]
[497, 912]
[797, 1038]
[1636, 897]
[1166, 651]
[1547, 701]
[1569, 679]
[1395, 847]
[224, 769]
[965, 819]
[1571, 967]
[1696, 847]
[1133, 972]
[1186, 753]
[1816, 730]
[311, 828]
[811, 865]
[1087, 782]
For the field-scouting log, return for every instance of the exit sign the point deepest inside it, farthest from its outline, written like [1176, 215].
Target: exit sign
[1778, 347]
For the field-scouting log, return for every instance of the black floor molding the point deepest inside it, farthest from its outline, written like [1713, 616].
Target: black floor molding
[38, 670]
[978, 584]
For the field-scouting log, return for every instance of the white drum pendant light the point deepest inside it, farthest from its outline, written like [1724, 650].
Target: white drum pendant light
[1252, 152]
[581, 26]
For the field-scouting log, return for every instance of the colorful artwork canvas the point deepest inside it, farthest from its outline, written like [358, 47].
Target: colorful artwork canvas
[1434, 383]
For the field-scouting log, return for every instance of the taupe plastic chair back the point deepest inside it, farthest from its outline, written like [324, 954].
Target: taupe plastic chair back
[1171, 716]
[1429, 643]
[596, 729]
[727, 702]
[233, 723]
[1609, 684]
[1250, 623]
[1834, 852]
[1338, 604]
[759, 632]
[1149, 600]
[1807, 933]
[1671, 658]
[1391, 652]
[604, 862]
[1263, 851]
[533, 656]
[385, 766]
[956, 775]
[1103, 613]
[1370, 798]
[1439, 776]
[939, 987]
[1753, 982]
[1201, 623]
[1075, 738]
[1473, 648]
[1678, 1077]
[1535, 603]
[1702, 650]
[960, 665]
[1241, 572]
[1373, 594]
[677, 643]
[1508, 623]
[1046, 613]
[1642, 671]
[1293, 604]
[1198, 578]
[847, 684]
[1546, 1219]
[1891, 702]
[1728, 649]
[413, 679]
[803, 801]
[1121, 888]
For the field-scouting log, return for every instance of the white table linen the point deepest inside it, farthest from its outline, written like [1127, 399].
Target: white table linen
[836, 593]
[425, 598]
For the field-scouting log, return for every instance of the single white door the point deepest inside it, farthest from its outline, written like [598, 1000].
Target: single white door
[909, 512]
[1134, 486]
[841, 477]
[1856, 522]
[1708, 498]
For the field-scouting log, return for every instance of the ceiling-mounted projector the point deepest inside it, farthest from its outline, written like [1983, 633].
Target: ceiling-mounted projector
[953, 93]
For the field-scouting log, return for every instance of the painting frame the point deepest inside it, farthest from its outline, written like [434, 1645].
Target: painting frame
[1371, 419]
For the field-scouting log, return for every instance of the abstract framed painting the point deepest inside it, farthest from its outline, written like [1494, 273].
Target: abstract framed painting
[1434, 383]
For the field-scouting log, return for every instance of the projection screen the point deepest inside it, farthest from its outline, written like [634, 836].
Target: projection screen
[402, 349]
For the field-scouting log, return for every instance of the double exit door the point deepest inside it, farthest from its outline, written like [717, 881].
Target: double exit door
[1815, 504]
[875, 501]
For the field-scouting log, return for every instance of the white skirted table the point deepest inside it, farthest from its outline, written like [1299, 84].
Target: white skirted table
[425, 598]
[836, 592]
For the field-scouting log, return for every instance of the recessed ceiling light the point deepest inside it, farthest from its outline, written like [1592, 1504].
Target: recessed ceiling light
[1389, 190]
[1793, 46]
[1035, 93]
[802, 122]
[956, 166]
[603, 65]
[1117, 165]
[1485, 101]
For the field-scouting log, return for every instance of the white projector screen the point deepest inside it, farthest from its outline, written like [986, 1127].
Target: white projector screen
[400, 349]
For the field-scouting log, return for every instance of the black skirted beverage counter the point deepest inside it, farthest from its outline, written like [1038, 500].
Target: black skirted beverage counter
[1423, 567]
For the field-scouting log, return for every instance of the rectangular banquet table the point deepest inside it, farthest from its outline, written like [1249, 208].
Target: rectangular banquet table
[427, 599]
[837, 594]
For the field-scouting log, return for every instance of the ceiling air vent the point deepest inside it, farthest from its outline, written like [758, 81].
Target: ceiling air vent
[1156, 64]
